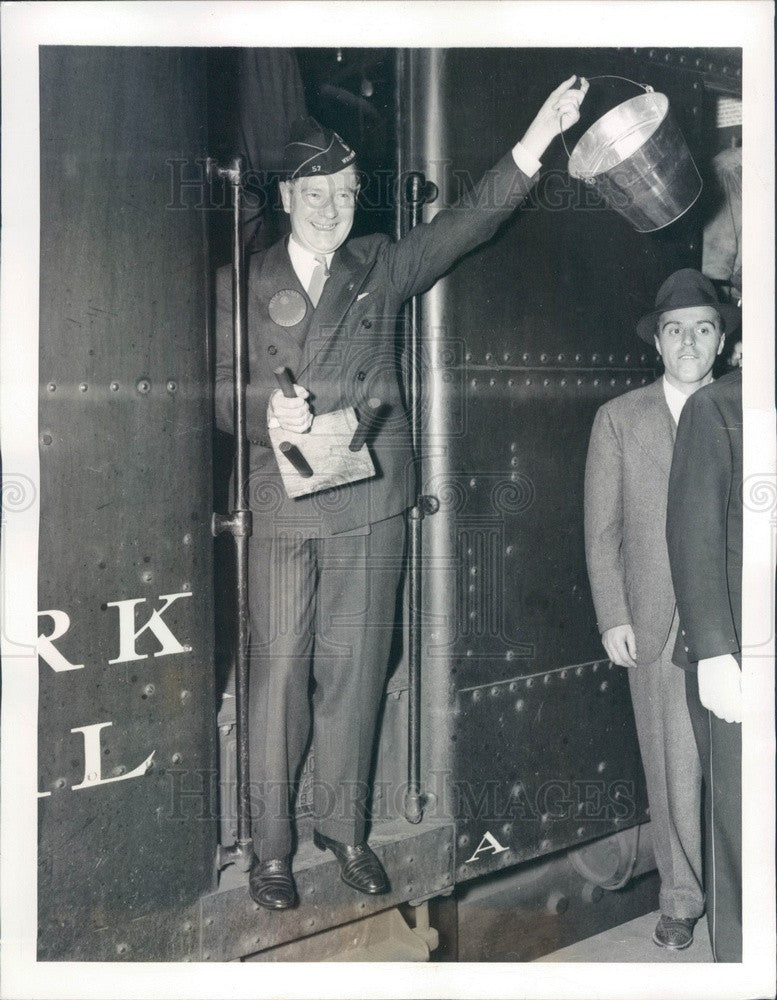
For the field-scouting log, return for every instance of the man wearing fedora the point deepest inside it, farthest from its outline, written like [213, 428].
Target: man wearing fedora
[626, 484]
[324, 569]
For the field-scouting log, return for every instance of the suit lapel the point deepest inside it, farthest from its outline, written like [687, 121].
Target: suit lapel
[346, 277]
[655, 428]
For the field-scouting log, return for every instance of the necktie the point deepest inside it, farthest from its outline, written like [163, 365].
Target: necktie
[318, 280]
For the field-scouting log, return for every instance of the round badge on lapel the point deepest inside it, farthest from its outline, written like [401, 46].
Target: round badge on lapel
[287, 307]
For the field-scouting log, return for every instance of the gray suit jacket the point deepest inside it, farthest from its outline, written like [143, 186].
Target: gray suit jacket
[626, 484]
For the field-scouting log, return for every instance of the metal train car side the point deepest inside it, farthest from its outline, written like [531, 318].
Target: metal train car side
[506, 744]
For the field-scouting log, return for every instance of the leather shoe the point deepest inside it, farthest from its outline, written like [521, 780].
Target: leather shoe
[359, 867]
[271, 885]
[674, 933]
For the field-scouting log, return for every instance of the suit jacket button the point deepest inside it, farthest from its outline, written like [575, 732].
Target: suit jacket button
[366, 323]
[272, 349]
[361, 376]
[686, 649]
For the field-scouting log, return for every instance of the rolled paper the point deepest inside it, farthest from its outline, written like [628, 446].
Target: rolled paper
[368, 417]
[285, 381]
[297, 459]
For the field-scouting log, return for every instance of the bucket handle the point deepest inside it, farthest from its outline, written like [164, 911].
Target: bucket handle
[605, 76]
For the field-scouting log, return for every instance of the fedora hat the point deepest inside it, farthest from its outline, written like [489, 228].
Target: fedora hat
[682, 290]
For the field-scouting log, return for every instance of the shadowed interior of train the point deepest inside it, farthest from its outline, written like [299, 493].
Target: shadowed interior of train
[533, 832]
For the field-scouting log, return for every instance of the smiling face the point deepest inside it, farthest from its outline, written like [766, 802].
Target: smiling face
[321, 208]
[688, 341]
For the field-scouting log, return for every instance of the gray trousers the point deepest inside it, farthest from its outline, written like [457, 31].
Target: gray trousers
[327, 604]
[673, 775]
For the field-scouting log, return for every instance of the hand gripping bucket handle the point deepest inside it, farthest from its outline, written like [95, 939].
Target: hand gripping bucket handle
[637, 158]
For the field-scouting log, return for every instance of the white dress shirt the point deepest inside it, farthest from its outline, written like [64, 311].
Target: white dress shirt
[675, 399]
[304, 261]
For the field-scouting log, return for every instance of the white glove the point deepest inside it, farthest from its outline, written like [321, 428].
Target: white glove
[720, 687]
[290, 414]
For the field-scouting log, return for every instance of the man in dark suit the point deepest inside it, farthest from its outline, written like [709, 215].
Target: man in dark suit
[704, 538]
[324, 569]
[627, 478]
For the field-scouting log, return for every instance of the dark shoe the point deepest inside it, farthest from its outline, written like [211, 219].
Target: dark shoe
[271, 885]
[674, 933]
[359, 867]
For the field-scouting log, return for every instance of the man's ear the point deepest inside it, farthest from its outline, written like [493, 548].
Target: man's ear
[658, 346]
[285, 189]
[722, 342]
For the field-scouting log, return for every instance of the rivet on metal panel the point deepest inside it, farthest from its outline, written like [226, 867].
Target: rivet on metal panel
[471, 588]
[594, 357]
[509, 656]
[507, 829]
[206, 956]
[476, 695]
[506, 356]
[578, 357]
[591, 893]
[473, 571]
[469, 551]
[580, 807]
[474, 383]
[492, 382]
[528, 381]
[545, 818]
[604, 686]
[628, 381]
[176, 758]
[563, 675]
[149, 689]
[580, 831]
[209, 922]
[546, 381]
[60, 783]
[46, 439]
[171, 385]
[469, 653]
[494, 692]
[613, 381]
[513, 446]
[601, 766]
[610, 665]
[468, 356]
[517, 790]
[473, 483]
[627, 358]
[519, 705]
[513, 462]
[596, 381]
[560, 357]
[473, 615]
[579, 671]
[546, 679]
[595, 667]
[513, 685]
[544, 845]
[563, 381]
[52, 387]
[694, 110]
[644, 381]
[579, 381]
[82, 387]
[186, 927]
[147, 576]
[119, 770]
[543, 357]
[488, 355]
[510, 382]
[529, 682]
[122, 948]
[114, 386]
[525, 357]
[509, 550]
[463, 840]
[143, 386]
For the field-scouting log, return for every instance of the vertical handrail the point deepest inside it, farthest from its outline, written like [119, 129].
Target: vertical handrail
[239, 521]
[414, 801]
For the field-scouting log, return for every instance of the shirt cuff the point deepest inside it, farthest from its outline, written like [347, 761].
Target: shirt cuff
[525, 160]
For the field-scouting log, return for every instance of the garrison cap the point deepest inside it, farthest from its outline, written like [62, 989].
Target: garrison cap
[315, 149]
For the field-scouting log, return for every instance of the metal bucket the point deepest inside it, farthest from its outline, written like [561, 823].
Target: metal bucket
[637, 158]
